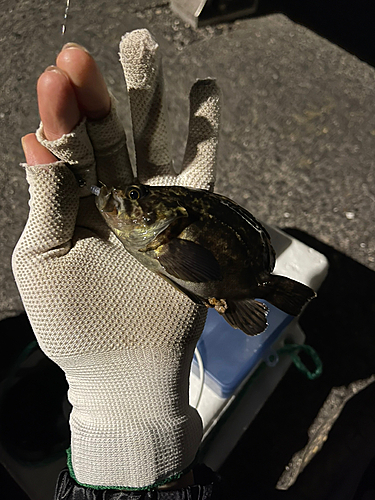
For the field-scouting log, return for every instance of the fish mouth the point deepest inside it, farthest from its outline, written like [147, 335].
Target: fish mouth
[104, 199]
[108, 200]
[135, 230]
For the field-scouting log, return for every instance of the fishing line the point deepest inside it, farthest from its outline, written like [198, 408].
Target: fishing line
[201, 376]
[63, 26]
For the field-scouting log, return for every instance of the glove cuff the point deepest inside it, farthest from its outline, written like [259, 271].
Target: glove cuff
[131, 423]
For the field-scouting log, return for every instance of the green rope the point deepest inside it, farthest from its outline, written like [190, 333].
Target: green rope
[290, 349]
[293, 349]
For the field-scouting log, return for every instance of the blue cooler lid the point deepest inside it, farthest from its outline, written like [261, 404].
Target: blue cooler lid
[229, 355]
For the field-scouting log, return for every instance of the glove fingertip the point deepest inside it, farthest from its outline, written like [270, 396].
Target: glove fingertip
[205, 83]
[206, 86]
[76, 150]
[205, 97]
[199, 165]
[138, 39]
[140, 58]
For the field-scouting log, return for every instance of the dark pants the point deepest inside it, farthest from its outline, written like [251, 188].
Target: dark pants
[206, 487]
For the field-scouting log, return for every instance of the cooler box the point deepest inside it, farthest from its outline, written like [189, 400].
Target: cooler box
[229, 357]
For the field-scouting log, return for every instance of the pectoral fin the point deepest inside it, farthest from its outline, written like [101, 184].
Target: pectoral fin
[180, 288]
[188, 261]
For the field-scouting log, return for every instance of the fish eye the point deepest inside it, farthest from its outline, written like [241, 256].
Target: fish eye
[137, 191]
[134, 193]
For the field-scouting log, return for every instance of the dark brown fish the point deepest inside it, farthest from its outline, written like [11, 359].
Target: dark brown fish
[207, 246]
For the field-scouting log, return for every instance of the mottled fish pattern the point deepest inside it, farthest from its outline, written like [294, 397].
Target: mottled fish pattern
[206, 246]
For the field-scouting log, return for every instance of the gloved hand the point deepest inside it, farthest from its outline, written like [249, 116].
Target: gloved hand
[124, 337]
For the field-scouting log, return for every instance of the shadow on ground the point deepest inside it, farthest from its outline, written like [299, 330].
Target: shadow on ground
[344, 22]
[33, 405]
[339, 324]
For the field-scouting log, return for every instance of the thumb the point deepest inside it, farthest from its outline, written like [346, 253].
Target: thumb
[54, 200]
[35, 153]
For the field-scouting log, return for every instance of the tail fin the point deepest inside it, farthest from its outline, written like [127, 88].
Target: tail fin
[249, 315]
[288, 295]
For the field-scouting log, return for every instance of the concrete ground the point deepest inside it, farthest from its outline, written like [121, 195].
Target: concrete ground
[297, 150]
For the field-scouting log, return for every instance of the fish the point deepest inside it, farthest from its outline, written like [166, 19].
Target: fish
[205, 245]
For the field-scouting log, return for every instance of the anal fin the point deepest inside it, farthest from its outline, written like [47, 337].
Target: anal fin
[248, 315]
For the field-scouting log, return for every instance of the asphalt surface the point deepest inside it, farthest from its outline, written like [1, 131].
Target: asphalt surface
[297, 150]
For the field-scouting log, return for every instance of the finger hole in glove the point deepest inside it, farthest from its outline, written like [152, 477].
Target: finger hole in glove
[76, 150]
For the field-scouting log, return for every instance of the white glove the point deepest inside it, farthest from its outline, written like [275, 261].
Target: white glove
[124, 337]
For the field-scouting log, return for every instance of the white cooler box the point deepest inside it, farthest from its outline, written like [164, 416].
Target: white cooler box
[229, 357]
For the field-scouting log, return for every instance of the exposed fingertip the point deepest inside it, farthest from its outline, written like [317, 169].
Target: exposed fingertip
[55, 69]
[73, 45]
[58, 107]
[71, 52]
[87, 80]
[35, 153]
